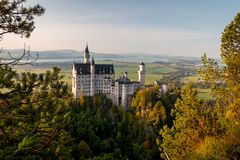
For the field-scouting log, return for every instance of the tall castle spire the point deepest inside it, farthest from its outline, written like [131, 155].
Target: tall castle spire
[93, 62]
[86, 55]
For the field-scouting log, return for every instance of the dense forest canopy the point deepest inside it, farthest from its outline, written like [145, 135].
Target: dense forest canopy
[40, 119]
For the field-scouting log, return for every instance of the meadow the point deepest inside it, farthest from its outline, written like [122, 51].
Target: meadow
[153, 71]
[203, 93]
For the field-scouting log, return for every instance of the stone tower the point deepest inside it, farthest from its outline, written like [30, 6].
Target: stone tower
[74, 81]
[86, 55]
[141, 73]
[92, 69]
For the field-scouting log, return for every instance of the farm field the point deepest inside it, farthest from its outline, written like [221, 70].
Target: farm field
[192, 78]
[202, 93]
[153, 71]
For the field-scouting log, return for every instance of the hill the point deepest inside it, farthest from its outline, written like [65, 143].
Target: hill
[68, 55]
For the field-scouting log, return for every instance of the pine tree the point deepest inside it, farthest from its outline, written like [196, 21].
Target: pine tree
[18, 18]
[193, 123]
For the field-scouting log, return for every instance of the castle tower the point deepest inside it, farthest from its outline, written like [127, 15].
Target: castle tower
[141, 73]
[92, 69]
[125, 89]
[74, 81]
[86, 55]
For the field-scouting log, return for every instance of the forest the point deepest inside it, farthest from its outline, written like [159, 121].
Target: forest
[39, 119]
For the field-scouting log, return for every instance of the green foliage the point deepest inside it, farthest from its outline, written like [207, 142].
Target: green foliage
[154, 109]
[33, 112]
[39, 119]
[230, 49]
[155, 106]
[209, 130]
[108, 132]
[227, 94]
[28, 143]
[17, 18]
[193, 122]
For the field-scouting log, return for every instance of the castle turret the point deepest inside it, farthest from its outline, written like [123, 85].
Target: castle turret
[141, 73]
[92, 68]
[86, 55]
[74, 81]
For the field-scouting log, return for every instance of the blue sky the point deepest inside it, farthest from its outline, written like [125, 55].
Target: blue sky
[170, 27]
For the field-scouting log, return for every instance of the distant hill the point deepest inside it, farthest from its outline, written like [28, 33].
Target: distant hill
[49, 54]
[73, 55]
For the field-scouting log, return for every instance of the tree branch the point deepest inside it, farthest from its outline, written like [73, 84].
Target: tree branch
[24, 59]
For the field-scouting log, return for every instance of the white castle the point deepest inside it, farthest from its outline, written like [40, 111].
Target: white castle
[89, 79]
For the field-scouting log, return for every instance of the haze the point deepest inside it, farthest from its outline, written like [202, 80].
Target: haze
[183, 28]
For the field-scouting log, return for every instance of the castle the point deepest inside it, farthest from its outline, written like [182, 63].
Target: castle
[89, 79]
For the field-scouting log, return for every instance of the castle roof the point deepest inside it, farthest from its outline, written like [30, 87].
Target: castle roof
[93, 62]
[86, 49]
[84, 69]
[104, 69]
[123, 80]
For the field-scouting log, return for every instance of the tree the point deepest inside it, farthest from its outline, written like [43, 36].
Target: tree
[33, 108]
[193, 123]
[84, 150]
[230, 53]
[33, 113]
[230, 49]
[18, 19]
[225, 81]
[203, 131]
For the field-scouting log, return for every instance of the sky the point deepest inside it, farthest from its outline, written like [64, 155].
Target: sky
[163, 27]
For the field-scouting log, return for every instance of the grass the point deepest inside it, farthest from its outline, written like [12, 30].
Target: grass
[67, 74]
[204, 94]
[33, 69]
[153, 71]
[192, 78]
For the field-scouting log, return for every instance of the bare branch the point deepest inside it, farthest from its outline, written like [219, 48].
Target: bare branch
[24, 59]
